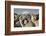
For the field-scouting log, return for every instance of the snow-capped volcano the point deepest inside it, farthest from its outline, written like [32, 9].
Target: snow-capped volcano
[25, 12]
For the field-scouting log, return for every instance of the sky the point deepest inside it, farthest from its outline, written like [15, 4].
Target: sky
[21, 10]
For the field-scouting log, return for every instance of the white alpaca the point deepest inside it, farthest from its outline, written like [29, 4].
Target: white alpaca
[33, 19]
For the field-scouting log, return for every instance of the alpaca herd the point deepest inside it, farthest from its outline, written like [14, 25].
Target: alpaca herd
[26, 20]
